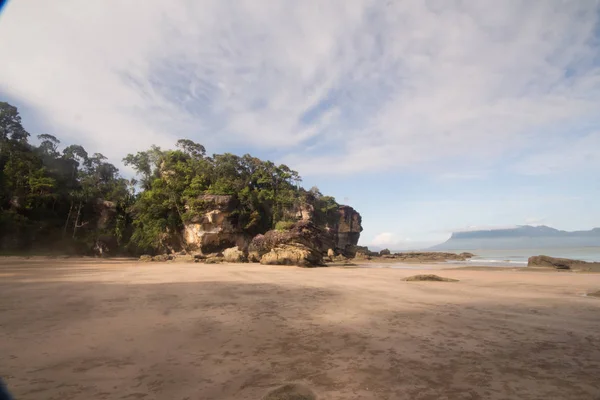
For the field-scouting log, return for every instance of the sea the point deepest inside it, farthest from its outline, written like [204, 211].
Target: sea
[504, 258]
[518, 257]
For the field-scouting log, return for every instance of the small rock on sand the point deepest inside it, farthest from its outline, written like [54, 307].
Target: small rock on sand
[428, 278]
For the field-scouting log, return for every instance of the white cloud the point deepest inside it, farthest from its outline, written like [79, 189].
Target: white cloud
[462, 175]
[473, 228]
[563, 155]
[336, 86]
[535, 221]
[384, 239]
[395, 242]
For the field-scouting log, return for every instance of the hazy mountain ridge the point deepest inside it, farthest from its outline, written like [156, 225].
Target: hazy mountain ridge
[521, 237]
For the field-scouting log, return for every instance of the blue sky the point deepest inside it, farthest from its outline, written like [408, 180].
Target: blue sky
[426, 116]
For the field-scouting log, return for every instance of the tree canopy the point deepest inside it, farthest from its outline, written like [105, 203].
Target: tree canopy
[70, 200]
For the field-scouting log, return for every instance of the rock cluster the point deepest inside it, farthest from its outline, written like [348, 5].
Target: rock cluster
[430, 256]
[301, 245]
[183, 257]
[292, 254]
[561, 263]
[214, 236]
[411, 257]
[304, 243]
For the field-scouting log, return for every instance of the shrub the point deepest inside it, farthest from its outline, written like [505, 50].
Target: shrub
[284, 225]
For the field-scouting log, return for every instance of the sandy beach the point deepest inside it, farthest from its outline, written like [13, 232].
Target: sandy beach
[88, 329]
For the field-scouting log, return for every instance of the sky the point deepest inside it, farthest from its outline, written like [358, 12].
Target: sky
[426, 116]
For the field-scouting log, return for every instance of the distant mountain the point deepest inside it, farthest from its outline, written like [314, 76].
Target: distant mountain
[522, 237]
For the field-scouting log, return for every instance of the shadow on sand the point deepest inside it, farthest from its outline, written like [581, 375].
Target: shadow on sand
[222, 340]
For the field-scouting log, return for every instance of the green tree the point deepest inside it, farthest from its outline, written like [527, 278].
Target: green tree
[44, 192]
[10, 124]
[75, 199]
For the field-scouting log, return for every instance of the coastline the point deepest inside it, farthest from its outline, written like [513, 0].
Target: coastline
[375, 263]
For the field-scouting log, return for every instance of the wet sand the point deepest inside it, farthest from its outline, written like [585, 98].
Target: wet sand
[83, 329]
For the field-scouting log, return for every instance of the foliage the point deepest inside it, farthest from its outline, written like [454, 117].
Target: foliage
[174, 182]
[284, 225]
[49, 196]
[326, 208]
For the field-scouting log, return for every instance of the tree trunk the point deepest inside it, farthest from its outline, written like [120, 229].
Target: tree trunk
[77, 220]
[174, 200]
[68, 218]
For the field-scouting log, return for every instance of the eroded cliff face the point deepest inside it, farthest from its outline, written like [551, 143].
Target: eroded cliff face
[305, 243]
[347, 231]
[300, 245]
[213, 230]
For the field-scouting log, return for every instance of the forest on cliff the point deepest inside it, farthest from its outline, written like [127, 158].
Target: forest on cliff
[65, 199]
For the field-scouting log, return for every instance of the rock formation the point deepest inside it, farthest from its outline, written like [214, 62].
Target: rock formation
[429, 256]
[234, 254]
[428, 278]
[300, 212]
[300, 245]
[346, 232]
[363, 253]
[342, 235]
[561, 263]
[292, 254]
[213, 230]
